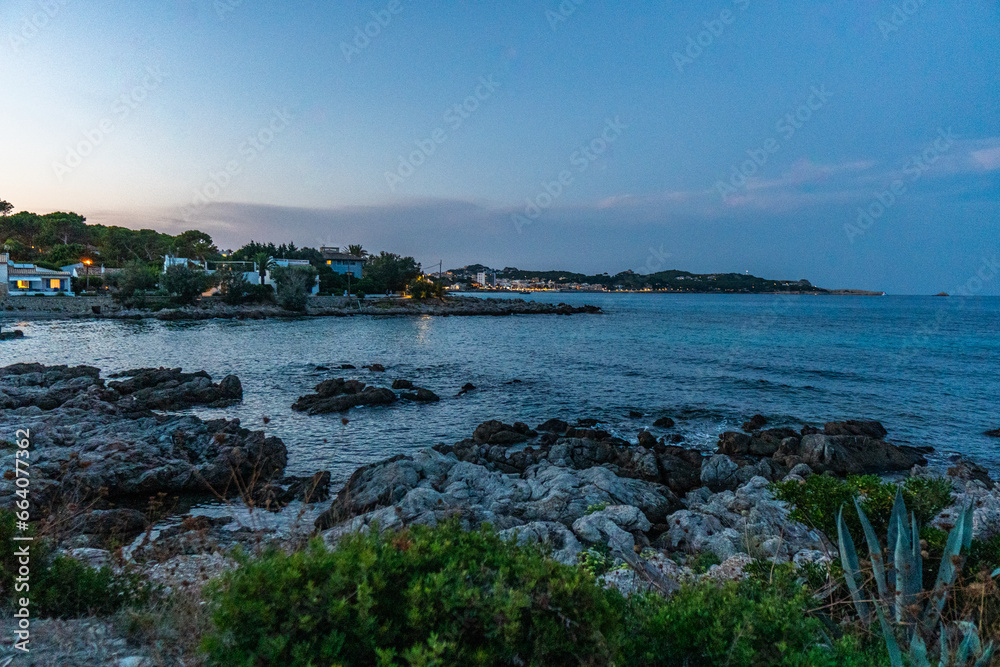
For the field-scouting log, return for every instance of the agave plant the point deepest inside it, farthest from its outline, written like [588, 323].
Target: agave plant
[899, 588]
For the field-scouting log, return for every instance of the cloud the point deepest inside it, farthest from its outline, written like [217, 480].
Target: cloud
[987, 158]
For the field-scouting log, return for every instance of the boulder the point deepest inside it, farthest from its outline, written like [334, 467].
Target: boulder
[995, 433]
[402, 384]
[553, 426]
[421, 395]
[755, 423]
[718, 472]
[647, 439]
[664, 422]
[866, 428]
[856, 455]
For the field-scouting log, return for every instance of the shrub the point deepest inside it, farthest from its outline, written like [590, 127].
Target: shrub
[186, 284]
[817, 502]
[261, 294]
[418, 596]
[63, 587]
[763, 620]
[294, 285]
[234, 287]
[134, 282]
[67, 588]
[423, 288]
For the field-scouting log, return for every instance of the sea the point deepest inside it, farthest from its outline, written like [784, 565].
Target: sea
[928, 368]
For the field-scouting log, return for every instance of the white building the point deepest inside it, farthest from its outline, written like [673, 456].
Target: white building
[23, 279]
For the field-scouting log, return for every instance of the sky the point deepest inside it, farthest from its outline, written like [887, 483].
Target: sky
[855, 143]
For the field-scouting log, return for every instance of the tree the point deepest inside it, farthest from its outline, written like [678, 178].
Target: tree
[389, 271]
[195, 244]
[424, 288]
[186, 284]
[294, 284]
[357, 251]
[264, 262]
[136, 278]
[65, 254]
[5, 208]
[234, 286]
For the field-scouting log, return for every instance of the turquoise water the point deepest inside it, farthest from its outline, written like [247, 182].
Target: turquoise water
[928, 368]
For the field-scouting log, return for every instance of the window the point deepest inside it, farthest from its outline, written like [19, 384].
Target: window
[55, 283]
[22, 284]
[329, 261]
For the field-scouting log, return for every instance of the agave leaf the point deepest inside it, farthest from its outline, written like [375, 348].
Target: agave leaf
[875, 551]
[898, 510]
[945, 651]
[852, 568]
[970, 643]
[951, 564]
[995, 572]
[891, 645]
[984, 659]
[908, 584]
[918, 652]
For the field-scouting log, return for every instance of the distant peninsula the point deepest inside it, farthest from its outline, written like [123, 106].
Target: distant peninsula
[484, 278]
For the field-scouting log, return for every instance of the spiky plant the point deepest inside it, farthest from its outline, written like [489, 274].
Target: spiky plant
[898, 575]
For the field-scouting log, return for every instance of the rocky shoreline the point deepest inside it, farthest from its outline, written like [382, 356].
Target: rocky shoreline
[43, 308]
[109, 453]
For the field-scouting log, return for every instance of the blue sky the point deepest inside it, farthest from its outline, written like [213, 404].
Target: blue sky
[589, 136]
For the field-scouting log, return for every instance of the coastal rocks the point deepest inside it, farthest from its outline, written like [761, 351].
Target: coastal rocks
[509, 486]
[748, 520]
[853, 454]
[172, 389]
[340, 395]
[719, 472]
[868, 429]
[90, 441]
[614, 526]
[664, 422]
[995, 433]
[466, 388]
[11, 335]
[842, 448]
[420, 395]
[755, 423]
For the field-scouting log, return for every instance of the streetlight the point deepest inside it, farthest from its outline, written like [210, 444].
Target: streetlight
[87, 263]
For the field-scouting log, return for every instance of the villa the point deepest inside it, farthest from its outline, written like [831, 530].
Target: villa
[23, 279]
[342, 262]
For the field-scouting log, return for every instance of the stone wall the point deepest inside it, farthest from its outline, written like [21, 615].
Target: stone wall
[12, 306]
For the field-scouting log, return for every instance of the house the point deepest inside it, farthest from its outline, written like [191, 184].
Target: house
[18, 279]
[342, 262]
[252, 277]
[81, 270]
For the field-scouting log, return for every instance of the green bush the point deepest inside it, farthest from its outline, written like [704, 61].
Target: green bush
[444, 596]
[67, 588]
[762, 620]
[423, 288]
[419, 596]
[817, 502]
[234, 287]
[186, 284]
[60, 586]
